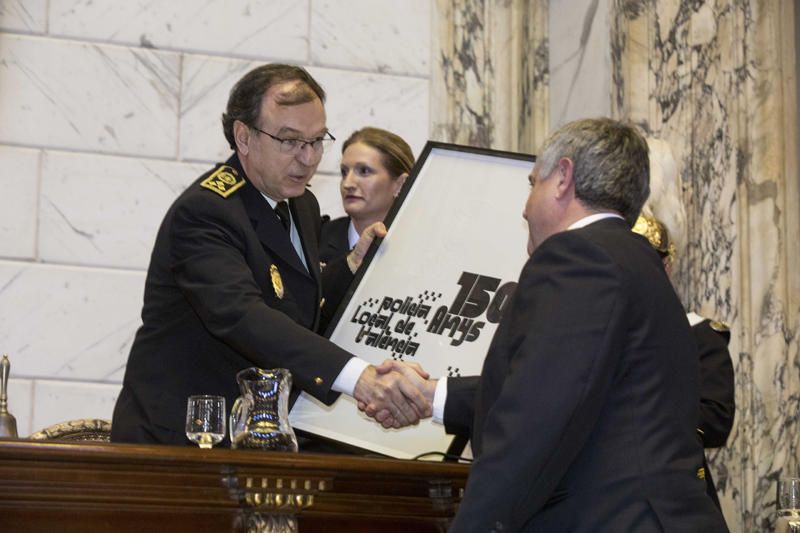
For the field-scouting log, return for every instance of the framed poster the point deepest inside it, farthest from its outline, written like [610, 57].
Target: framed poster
[433, 290]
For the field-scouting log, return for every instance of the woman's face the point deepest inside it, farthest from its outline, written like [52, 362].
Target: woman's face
[367, 188]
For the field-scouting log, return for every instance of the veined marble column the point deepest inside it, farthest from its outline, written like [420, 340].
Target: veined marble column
[489, 80]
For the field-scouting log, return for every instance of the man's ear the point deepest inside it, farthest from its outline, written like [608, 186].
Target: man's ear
[565, 176]
[241, 134]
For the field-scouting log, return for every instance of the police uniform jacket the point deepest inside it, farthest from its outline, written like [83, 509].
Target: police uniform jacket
[225, 290]
[334, 242]
[717, 403]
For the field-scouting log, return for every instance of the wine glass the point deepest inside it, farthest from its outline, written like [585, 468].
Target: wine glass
[788, 503]
[205, 419]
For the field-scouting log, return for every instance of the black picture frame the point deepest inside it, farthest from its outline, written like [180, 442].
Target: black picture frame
[433, 290]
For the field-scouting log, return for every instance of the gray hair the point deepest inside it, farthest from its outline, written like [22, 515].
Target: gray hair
[611, 167]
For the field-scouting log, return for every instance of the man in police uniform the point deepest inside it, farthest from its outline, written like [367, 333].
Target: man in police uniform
[234, 277]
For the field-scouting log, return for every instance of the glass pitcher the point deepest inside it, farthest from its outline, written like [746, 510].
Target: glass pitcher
[260, 416]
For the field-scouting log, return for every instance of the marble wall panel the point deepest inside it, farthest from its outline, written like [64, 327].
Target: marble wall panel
[580, 60]
[59, 401]
[20, 402]
[376, 35]
[29, 16]
[68, 322]
[104, 210]
[489, 80]
[206, 83]
[263, 29]
[463, 78]
[88, 97]
[20, 181]
[354, 100]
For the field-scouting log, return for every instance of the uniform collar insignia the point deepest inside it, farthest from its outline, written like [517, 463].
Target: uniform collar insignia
[224, 181]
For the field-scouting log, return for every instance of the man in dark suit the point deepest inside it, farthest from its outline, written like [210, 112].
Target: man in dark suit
[234, 277]
[585, 412]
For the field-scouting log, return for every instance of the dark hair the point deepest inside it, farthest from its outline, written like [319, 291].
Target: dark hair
[396, 155]
[244, 102]
[611, 164]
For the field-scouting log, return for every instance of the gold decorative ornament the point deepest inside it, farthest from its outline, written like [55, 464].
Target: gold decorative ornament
[719, 326]
[277, 282]
[278, 494]
[8, 424]
[656, 233]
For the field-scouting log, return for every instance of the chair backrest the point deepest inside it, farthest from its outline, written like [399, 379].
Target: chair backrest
[82, 429]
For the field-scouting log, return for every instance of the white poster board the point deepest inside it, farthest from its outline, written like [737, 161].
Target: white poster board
[433, 289]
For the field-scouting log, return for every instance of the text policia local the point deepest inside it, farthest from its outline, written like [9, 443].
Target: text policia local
[390, 323]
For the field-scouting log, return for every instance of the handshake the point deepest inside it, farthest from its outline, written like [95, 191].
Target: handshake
[396, 394]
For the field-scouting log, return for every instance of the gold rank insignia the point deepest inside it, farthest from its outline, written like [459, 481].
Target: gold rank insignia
[223, 181]
[277, 282]
[718, 326]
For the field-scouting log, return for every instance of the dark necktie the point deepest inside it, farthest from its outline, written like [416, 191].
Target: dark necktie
[282, 210]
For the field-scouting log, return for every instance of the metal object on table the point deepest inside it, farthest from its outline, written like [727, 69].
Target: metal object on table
[8, 424]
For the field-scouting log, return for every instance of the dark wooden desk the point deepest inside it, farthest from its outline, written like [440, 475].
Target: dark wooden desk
[126, 488]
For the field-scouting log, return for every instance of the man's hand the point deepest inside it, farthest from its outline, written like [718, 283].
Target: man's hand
[415, 374]
[356, 256]
[393, 399]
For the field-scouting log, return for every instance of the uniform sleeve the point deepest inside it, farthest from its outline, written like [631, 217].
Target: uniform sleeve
[717, 403]
[210, 268]
[566, 339]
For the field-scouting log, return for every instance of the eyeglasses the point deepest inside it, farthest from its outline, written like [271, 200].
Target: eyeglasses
[295, 146]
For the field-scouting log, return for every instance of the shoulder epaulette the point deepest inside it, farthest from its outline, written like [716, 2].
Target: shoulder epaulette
[718, 326]
[224, 181]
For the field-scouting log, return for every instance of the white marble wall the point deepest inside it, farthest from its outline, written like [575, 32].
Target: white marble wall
[108, 110]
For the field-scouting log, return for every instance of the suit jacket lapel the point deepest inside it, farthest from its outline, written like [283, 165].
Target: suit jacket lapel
[306, 219]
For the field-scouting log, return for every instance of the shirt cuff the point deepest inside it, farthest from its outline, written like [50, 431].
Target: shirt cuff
[346, 380]
[439, 399]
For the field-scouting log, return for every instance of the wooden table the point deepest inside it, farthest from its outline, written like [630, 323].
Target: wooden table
[123, 487]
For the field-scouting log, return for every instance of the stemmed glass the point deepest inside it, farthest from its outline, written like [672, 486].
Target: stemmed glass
[788, 503]
[205, 419]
